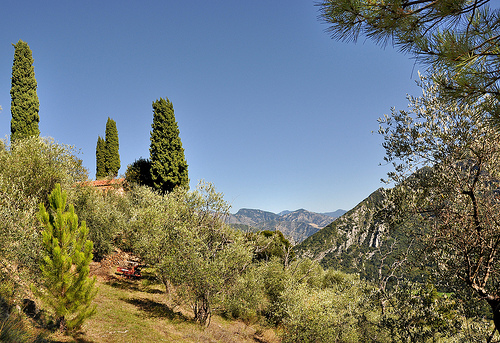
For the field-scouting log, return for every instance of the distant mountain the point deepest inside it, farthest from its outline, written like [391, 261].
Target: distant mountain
[298, 224]
[336, 214]
[252, 217]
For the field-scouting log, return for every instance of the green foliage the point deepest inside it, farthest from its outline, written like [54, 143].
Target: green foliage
[112, 146]
[37, 164]
[271, 243]
[65, 266]
[458, 40]
[338, 310]
[168, 164]
[28, 169]
[418, 313]
[24, 99]
[446, 170]
[247, 300]
[100, 156]
[183, 236]
[139, 172]
[105, 215]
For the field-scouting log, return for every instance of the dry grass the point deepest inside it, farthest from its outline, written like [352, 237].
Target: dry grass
[127, 311]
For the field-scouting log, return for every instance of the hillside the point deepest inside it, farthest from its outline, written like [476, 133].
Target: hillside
[298, 224]
[349, 240]
[140, 311]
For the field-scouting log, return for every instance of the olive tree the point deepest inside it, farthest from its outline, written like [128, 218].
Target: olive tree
[446, 171]
[183, 236]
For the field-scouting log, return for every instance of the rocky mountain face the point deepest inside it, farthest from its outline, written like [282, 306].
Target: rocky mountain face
[298, 224]
[349, 241]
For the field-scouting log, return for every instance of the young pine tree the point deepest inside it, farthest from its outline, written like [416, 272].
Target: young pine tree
[24, 104]
[168, 164]
[100, 157]
[65, 265]
[112, 146]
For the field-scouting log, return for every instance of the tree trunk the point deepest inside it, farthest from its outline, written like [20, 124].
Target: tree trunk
[495, 308]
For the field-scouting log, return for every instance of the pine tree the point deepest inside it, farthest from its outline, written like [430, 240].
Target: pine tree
[24, 99]
[65, 266]
[112, 146]
[457, 40]
[168, 164]
[100, 157]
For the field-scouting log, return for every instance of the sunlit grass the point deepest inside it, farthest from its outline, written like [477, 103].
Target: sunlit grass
[138, 312]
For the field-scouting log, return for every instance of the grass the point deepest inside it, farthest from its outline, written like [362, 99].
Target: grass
[130, 311]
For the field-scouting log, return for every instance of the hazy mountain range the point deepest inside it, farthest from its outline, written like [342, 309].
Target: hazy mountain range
[298, 224]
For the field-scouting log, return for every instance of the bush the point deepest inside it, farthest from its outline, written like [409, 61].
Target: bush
[106, 216]
[342, 313]
[29, 169]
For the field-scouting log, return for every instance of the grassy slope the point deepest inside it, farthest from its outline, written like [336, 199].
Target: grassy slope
[127, 311]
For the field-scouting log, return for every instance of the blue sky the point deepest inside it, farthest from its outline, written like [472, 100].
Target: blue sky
[270, 109]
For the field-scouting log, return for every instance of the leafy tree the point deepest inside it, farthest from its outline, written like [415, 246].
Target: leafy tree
[24, 100]
[100, 156]
[65, 266]
[458, 40]
[168, 164]
[139, 172]
[183, 236]
[112, 146]
[418, 313]
[447, 179]
[340, 313]
[272, 243]
[34, 165]
[105, 215]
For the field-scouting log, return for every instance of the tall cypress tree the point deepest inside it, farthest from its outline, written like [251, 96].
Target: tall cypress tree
[24, 104]
[168, 164]
[100, 158]
[112, 146]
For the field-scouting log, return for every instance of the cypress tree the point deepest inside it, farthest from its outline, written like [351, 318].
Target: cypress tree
[100, 157]
[112, 146]
[65, 265]
[24, 104]
[168, 164]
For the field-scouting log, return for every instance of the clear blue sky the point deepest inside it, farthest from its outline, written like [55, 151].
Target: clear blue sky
[270, 109]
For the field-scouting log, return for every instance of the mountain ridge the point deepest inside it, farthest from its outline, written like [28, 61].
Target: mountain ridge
[298, 224]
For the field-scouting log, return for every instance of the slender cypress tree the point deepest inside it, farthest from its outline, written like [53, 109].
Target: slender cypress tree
[24, 104]
[112, 146]
[100, 157]
[65, 266]
[168, 164]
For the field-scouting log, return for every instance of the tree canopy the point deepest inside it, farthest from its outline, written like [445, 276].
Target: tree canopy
[446, 173]
[168, 164]
[112, 147]
[457, 40]
[100, 156]
[24, 104]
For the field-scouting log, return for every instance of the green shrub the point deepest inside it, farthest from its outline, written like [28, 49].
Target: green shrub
[106, 216]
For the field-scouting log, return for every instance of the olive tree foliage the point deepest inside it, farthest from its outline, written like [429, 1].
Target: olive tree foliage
[29, 168]
[457, 39]
[183, 236]
[446, 171]
[337, 307]
[106, 215]
[37, 164]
